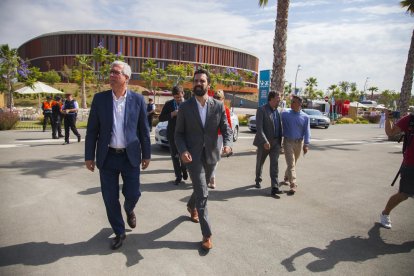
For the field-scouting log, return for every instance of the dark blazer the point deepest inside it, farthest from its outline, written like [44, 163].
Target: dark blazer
[165, 115]
[191, 136]
[99, 130]
[265, 126]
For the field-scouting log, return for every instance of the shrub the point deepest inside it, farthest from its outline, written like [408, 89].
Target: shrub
[243, 119]
[8, 120]
[345, 120]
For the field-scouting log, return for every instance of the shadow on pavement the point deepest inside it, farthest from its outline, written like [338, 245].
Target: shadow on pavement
[352, 249]
[40, 253]
[42, 167]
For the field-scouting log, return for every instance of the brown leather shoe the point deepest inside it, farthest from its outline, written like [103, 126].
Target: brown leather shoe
[207, 244]
[194, 214]
[132, 220]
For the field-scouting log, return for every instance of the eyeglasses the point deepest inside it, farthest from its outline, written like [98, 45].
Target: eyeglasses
[115, 73]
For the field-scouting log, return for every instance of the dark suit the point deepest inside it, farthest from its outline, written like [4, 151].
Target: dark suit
[201, 143]
[171, 106]
[268, 132]
[111, 164]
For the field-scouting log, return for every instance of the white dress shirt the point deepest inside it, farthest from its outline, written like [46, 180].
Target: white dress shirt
[118, 134]
[202, 110]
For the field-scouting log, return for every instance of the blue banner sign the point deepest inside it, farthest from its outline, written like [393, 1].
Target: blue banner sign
[264, 86]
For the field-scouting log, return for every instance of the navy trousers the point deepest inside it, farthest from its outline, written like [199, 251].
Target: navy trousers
[118, 164]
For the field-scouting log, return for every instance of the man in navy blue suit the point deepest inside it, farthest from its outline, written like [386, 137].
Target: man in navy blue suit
[118, 133]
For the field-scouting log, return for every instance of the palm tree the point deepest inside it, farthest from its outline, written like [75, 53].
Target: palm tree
[409, 67]
[372, 89]
[344, 85]
[85, 67]
[310, 84]
[279, 44]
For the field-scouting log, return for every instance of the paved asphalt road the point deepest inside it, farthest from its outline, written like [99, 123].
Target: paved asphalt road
[53, 220]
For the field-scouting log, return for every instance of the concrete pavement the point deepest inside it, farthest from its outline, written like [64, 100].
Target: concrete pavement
[53, 220]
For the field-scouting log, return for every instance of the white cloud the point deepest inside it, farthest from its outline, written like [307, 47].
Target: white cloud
[331, 48]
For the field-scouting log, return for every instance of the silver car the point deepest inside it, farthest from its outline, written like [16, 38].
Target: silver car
[316, 118]
[161, 131]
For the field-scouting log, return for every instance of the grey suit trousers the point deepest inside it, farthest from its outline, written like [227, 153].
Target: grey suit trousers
[273, 154]
[200, 173]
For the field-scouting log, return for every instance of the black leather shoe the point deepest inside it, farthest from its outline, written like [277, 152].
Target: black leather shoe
[275, 191]
[177, 181]
[61, 136]
[185, 175]
[117, 241]
[132, 220]
[258, 186]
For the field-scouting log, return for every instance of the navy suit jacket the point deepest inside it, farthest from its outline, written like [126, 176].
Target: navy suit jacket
[99, 130]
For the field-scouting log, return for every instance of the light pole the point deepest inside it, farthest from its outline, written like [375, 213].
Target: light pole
[296, 77]
[365, 85]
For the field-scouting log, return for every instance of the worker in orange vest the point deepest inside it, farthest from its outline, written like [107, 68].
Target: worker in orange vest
[47, 112]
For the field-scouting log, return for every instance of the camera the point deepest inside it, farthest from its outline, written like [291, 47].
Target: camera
[394, 114]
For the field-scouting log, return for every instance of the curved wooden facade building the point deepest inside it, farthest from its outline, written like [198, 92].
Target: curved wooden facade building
[53, 50]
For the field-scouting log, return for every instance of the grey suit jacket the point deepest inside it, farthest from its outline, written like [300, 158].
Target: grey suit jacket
[191, 136]
[265, 126]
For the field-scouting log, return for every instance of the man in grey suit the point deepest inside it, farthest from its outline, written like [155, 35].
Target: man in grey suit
[196, 133]
[118, 134]
[268, 140]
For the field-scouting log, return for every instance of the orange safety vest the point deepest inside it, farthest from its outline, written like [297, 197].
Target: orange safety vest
[47, 105]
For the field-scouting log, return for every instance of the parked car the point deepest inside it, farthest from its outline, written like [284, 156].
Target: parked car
[161, 131]
[251, 123]
[317, 119]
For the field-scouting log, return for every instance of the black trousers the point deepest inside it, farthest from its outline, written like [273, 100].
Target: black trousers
[56, 126]
[179, 166]
[47, 117]
[70, 123]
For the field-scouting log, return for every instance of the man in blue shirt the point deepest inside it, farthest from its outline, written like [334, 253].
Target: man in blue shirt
[296, 133]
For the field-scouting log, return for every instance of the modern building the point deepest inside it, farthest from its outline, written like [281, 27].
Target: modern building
[54, 50]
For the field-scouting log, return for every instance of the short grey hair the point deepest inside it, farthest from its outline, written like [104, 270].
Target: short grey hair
[126, 69]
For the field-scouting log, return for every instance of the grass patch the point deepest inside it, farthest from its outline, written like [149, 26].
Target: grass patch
[27, 125]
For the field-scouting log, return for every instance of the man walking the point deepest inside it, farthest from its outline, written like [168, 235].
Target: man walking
[296, 136]
[47, 112]
[169, 113]
[196, 133]
[118, 134]
[70, 109]
[57, 118]
[268, 140]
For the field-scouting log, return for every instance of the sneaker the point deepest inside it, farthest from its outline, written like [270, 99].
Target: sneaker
[385, 221]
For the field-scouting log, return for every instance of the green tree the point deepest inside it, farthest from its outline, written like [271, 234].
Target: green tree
[51, 77]
[373, 89]
[345, 86]
[151, 75]
[279, 44]
[176, 74]
[11, 67]
[407, 84]
[311, 83]
[83, 73]
[387, 98]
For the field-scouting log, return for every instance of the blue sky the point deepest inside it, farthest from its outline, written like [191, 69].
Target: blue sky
[332, 40]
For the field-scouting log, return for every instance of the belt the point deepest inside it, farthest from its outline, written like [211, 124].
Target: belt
[117, 151]
[294, 140]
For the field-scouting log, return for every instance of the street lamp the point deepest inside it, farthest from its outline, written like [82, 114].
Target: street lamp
[365, 85]
[296, 77]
